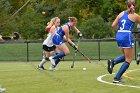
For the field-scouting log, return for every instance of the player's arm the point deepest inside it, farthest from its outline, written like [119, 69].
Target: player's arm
[52, 30]
[66, 37]
[137, 18]
[116, 21]
[77, 31]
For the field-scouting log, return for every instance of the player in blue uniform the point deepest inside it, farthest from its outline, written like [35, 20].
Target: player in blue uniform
[124, 22]
[57, 39]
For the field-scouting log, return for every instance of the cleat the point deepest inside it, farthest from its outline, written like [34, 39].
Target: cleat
[52, 60]
[137, 62]
[40, 68]
[110, 64]
[2, 90]
[52, 68]
[117, 81]
[138, 59]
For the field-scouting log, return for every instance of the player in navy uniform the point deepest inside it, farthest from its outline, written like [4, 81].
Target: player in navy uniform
[58, 41]
[124, 22]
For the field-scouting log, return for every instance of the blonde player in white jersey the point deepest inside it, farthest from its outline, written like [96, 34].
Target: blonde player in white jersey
[48, 46]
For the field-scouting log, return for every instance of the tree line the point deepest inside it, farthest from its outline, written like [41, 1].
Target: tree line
[94, 16]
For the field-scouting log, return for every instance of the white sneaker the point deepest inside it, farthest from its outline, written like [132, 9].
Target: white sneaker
[2, 90]
[52, 68]
[52, 60]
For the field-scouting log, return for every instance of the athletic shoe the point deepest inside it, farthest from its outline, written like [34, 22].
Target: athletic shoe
[41, 68]
[110, 66]
[137, 62]
[2, 90]
[117, 81]
[52, 60]
[138, 59]
[52, 68]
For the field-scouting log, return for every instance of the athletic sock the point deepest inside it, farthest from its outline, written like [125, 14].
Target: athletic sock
[123, 68]
[42, 62]
[59, 55]
[119, 59]
[57, 61]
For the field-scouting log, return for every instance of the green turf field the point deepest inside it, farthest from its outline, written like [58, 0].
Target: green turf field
[23, 77]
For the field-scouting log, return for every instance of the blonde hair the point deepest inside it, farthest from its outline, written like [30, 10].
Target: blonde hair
[131, 6]
[72, 19]
[51, 23]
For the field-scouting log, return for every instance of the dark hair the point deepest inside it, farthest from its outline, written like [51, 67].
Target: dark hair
[72, 19]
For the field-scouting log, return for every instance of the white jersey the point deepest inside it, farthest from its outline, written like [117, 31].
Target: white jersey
[48, 41]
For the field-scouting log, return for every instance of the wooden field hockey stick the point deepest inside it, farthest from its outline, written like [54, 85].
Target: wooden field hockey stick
[75, 53]
[86, 57]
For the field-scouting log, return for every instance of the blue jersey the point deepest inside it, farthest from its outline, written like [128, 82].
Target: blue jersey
[124, 35]
[58, 37]
[125, 23]
[61, 32]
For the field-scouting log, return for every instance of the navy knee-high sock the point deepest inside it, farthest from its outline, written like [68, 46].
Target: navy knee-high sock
[59, 55]
[119, 59]
[57, 61]
[123, 68]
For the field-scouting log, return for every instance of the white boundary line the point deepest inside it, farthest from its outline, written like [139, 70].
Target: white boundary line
[100, 80]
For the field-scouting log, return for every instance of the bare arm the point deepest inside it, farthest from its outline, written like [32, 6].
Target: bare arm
[53, 30]
[138, 18]
[66, 37]
[76, 29]
[116, 21]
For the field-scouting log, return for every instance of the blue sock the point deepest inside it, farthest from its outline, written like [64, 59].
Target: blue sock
[123, 68]
[57, 61]
[119, 59]
[59, 55]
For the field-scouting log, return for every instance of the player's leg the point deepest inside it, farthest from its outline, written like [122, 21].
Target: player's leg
[53, 67]
[46, 55]
[45, 58]
[112, 63]
[64, 51]
[128, 52]
[138, 59]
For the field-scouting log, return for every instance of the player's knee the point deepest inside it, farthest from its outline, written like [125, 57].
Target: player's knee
[67, 53]
[128, 60]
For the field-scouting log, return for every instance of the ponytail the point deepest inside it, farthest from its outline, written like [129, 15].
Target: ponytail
[50, 24]
[72, 19]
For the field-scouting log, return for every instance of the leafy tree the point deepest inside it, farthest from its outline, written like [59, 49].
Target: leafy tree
[7, 24]
[96, 27]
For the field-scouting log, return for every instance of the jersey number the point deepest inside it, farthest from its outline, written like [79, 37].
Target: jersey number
[123, 24]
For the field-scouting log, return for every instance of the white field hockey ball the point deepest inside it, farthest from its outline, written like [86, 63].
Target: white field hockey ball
[84, 68]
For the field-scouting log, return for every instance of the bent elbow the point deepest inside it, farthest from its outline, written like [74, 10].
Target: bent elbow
[114, 26]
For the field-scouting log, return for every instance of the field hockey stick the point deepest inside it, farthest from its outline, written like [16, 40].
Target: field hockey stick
[75, 53]
[86, 57]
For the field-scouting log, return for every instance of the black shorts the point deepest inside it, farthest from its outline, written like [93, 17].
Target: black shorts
[49, 49]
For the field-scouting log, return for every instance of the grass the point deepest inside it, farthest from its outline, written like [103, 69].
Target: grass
[23, 77]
